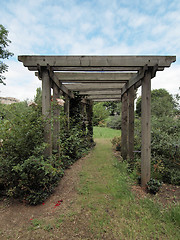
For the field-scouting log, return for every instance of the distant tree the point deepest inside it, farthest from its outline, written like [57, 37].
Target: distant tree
[114, 108]
[100, 113]
[162, 103]
[4, 53]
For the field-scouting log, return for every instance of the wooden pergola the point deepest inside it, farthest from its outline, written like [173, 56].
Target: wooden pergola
[101, 78]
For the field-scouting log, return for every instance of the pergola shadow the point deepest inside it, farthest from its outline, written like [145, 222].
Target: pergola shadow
[101, 78]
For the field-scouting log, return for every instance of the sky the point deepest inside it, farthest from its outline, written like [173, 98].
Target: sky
[92, 27]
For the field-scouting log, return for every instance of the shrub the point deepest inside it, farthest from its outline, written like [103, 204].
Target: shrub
[153, 186]
[114, 122]
[116, 142]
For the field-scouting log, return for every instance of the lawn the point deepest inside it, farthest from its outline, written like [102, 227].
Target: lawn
[104, 132]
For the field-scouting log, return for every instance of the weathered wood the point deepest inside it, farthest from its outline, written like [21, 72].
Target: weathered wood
[91, 86]
[96, 61]
[99, 91]
[111, 96]
[66, 110]
[96, 76]
[146, 129]
[89, 111]
[106, 100]
[124, 135]
[131, 123]
[60, 85]
[46, 111]
[134, 79]
[56, 120]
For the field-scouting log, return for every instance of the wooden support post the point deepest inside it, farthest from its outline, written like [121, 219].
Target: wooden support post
[131, 123]
[146, 129]
[66, 110]
[56, 120]
[89, 110]
[83, 112]
[46, 110]
[124, 126]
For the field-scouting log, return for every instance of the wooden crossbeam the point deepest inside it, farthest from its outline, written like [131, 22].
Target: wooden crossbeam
[96, 61]
[95, 86]
[98, 92]
[93, 76]
[104, 96]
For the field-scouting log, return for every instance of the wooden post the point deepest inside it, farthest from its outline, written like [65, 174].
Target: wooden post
[131, 123]
[56, 114]
[89, 110]
[124, 126]
[83, 111]
[46, 110]
[66, 110]
[146, 129]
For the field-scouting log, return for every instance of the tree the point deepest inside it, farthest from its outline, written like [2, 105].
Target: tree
[162, 103]
[4, 53]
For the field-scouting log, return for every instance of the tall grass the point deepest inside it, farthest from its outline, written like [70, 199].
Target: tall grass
[104, 132]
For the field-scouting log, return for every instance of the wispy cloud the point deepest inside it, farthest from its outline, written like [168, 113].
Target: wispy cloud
[90, 27]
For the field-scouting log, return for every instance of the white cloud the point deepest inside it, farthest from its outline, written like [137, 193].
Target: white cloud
[109, 27]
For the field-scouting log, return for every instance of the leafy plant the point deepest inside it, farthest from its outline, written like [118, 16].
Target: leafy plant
[153, 186]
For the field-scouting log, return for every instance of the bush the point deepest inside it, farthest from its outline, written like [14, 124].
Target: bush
[24, 171]
[153, 186]
[114, 122]
[116, 142]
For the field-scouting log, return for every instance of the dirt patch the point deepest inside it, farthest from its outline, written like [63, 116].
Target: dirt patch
[18, 216]
[167, 195]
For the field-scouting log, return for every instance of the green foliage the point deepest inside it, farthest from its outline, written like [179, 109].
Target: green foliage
[163, 103]
[116, 142]
[153, 185]
[114, 122]
[165, 135]
[100, 113]
[24, 171]
[4, 53]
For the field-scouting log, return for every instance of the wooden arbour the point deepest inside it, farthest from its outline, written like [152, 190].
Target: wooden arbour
[101, 78]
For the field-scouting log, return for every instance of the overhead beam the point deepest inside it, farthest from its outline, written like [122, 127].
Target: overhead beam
[106, 100]
[133, 81]
[91, 86]
[93, 76]
[96, 61]
[104, 96]
[60, 85]
[98, 92]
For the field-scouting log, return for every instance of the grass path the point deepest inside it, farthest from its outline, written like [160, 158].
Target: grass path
[97, 204]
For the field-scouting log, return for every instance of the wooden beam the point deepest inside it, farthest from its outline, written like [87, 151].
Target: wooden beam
[96, 61]
[60, 85]
[46, 111]
[56, 120]
[98, 92]
[104, 96]
[93, 76]
[66, 110]
[135, 79]
[131, 123]
[89, 112]
[146, 129]
[93, 86]
[106, 100]
[124, 135]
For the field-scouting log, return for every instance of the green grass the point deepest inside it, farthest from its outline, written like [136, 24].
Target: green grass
[104, 132]
[113, 211]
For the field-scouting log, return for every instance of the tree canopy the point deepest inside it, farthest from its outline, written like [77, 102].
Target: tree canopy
[4, 53]
[163, 103]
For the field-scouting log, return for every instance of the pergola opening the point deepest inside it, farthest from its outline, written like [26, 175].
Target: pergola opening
[101, 78]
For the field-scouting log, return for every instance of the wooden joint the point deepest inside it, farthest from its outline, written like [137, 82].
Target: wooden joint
[39, 68]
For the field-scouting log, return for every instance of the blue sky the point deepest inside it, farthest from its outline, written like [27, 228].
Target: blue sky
[104, 27]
